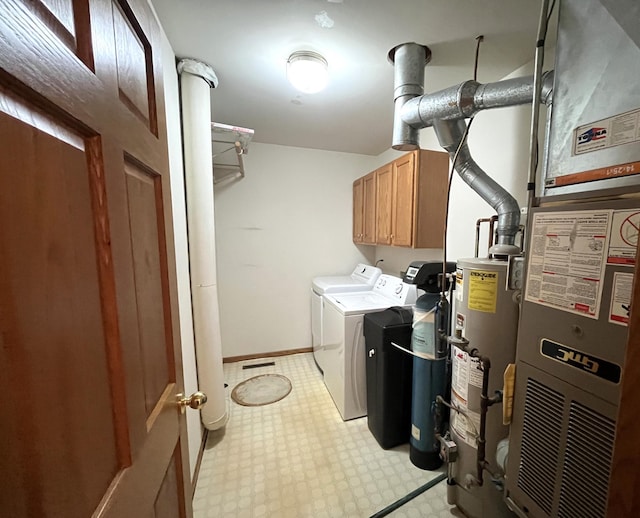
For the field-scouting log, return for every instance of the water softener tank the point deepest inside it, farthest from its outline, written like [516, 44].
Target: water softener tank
[431, 314]
[428, 382]
[487, 316]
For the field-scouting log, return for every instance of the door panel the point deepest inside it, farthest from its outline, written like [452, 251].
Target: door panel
[358, 206]
[144, 197]
[53, 334]
[63, 12]
[384, 186]
[167, 504]
[89, 353]
[69, 21]
[403, 196]
[369, 212]
[134, 66]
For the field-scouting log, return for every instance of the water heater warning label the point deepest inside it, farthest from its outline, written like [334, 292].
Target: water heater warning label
[483, 290]
[567, 260]
[465, 372]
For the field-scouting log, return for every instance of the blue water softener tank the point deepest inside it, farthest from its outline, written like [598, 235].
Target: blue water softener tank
[431, 314]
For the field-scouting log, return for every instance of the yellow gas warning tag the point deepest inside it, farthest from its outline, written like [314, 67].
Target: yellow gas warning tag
[483, 290]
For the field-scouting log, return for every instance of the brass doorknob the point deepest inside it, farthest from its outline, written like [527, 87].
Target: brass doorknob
[196, 401]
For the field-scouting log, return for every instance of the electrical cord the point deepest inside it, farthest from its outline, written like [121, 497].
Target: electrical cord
[553, 4]
[479, 40]
[443, 284]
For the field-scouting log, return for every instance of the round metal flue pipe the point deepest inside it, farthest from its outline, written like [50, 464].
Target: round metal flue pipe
[409, 60]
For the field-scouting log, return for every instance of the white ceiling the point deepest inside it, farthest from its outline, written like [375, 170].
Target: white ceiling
[247, 43]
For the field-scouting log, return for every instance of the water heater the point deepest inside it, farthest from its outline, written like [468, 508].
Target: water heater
[486, 315]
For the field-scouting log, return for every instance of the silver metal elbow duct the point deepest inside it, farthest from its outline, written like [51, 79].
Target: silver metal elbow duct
[409, 61]
[469, 97]
[455, 102]
[446, 111]
[450, 134]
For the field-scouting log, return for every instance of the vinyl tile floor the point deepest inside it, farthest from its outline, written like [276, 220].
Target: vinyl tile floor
[296, 458]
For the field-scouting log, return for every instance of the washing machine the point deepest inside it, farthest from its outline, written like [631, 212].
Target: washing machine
[362, 278]
[344, 347]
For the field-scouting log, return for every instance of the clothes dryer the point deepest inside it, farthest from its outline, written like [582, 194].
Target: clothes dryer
[362, 278]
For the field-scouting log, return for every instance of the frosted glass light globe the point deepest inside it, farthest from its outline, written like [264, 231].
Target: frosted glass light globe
[307, 71]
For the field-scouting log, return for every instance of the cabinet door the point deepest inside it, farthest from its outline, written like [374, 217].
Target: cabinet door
[369, 212]
[384, 188]
[432, 173]
[358, 210]
[403, 200]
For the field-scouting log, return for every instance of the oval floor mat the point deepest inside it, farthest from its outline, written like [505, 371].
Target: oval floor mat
[261, 390]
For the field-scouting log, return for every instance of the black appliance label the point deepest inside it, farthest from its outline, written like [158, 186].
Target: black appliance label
[579, 360]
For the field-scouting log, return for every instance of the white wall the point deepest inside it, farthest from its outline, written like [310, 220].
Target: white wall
[174, 137]
[286, 222]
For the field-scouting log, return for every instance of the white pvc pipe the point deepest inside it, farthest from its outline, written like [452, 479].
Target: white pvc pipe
[196, 115]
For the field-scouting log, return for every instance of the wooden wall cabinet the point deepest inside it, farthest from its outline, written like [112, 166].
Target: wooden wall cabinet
[364, 209]
[410, 198]
[384, 196]
[358, 210]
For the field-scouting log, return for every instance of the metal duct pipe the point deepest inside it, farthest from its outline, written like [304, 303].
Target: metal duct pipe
[195, 98]
[409, 61]
[455, 102]
[446, 111]
[469, 97]
[450, 134]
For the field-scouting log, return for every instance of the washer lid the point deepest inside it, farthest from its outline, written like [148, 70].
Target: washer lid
[358, 303]
[322, 285]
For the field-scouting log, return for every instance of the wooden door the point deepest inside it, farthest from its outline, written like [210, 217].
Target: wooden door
[369, 211]
[404, 173]
[384, 187]
[89, 354]
[358, 210]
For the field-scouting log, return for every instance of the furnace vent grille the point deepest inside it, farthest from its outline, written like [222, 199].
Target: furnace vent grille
[540, 450]
[587, 464]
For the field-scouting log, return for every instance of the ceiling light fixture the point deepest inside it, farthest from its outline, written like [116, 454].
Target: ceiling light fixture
[307, 71]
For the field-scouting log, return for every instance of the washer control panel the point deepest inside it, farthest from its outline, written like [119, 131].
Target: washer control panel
[393, 288]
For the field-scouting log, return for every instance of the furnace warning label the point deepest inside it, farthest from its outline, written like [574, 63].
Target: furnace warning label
[621, 298]
[567, 260]
[605, 133]
[483, 290]
[624, 237]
